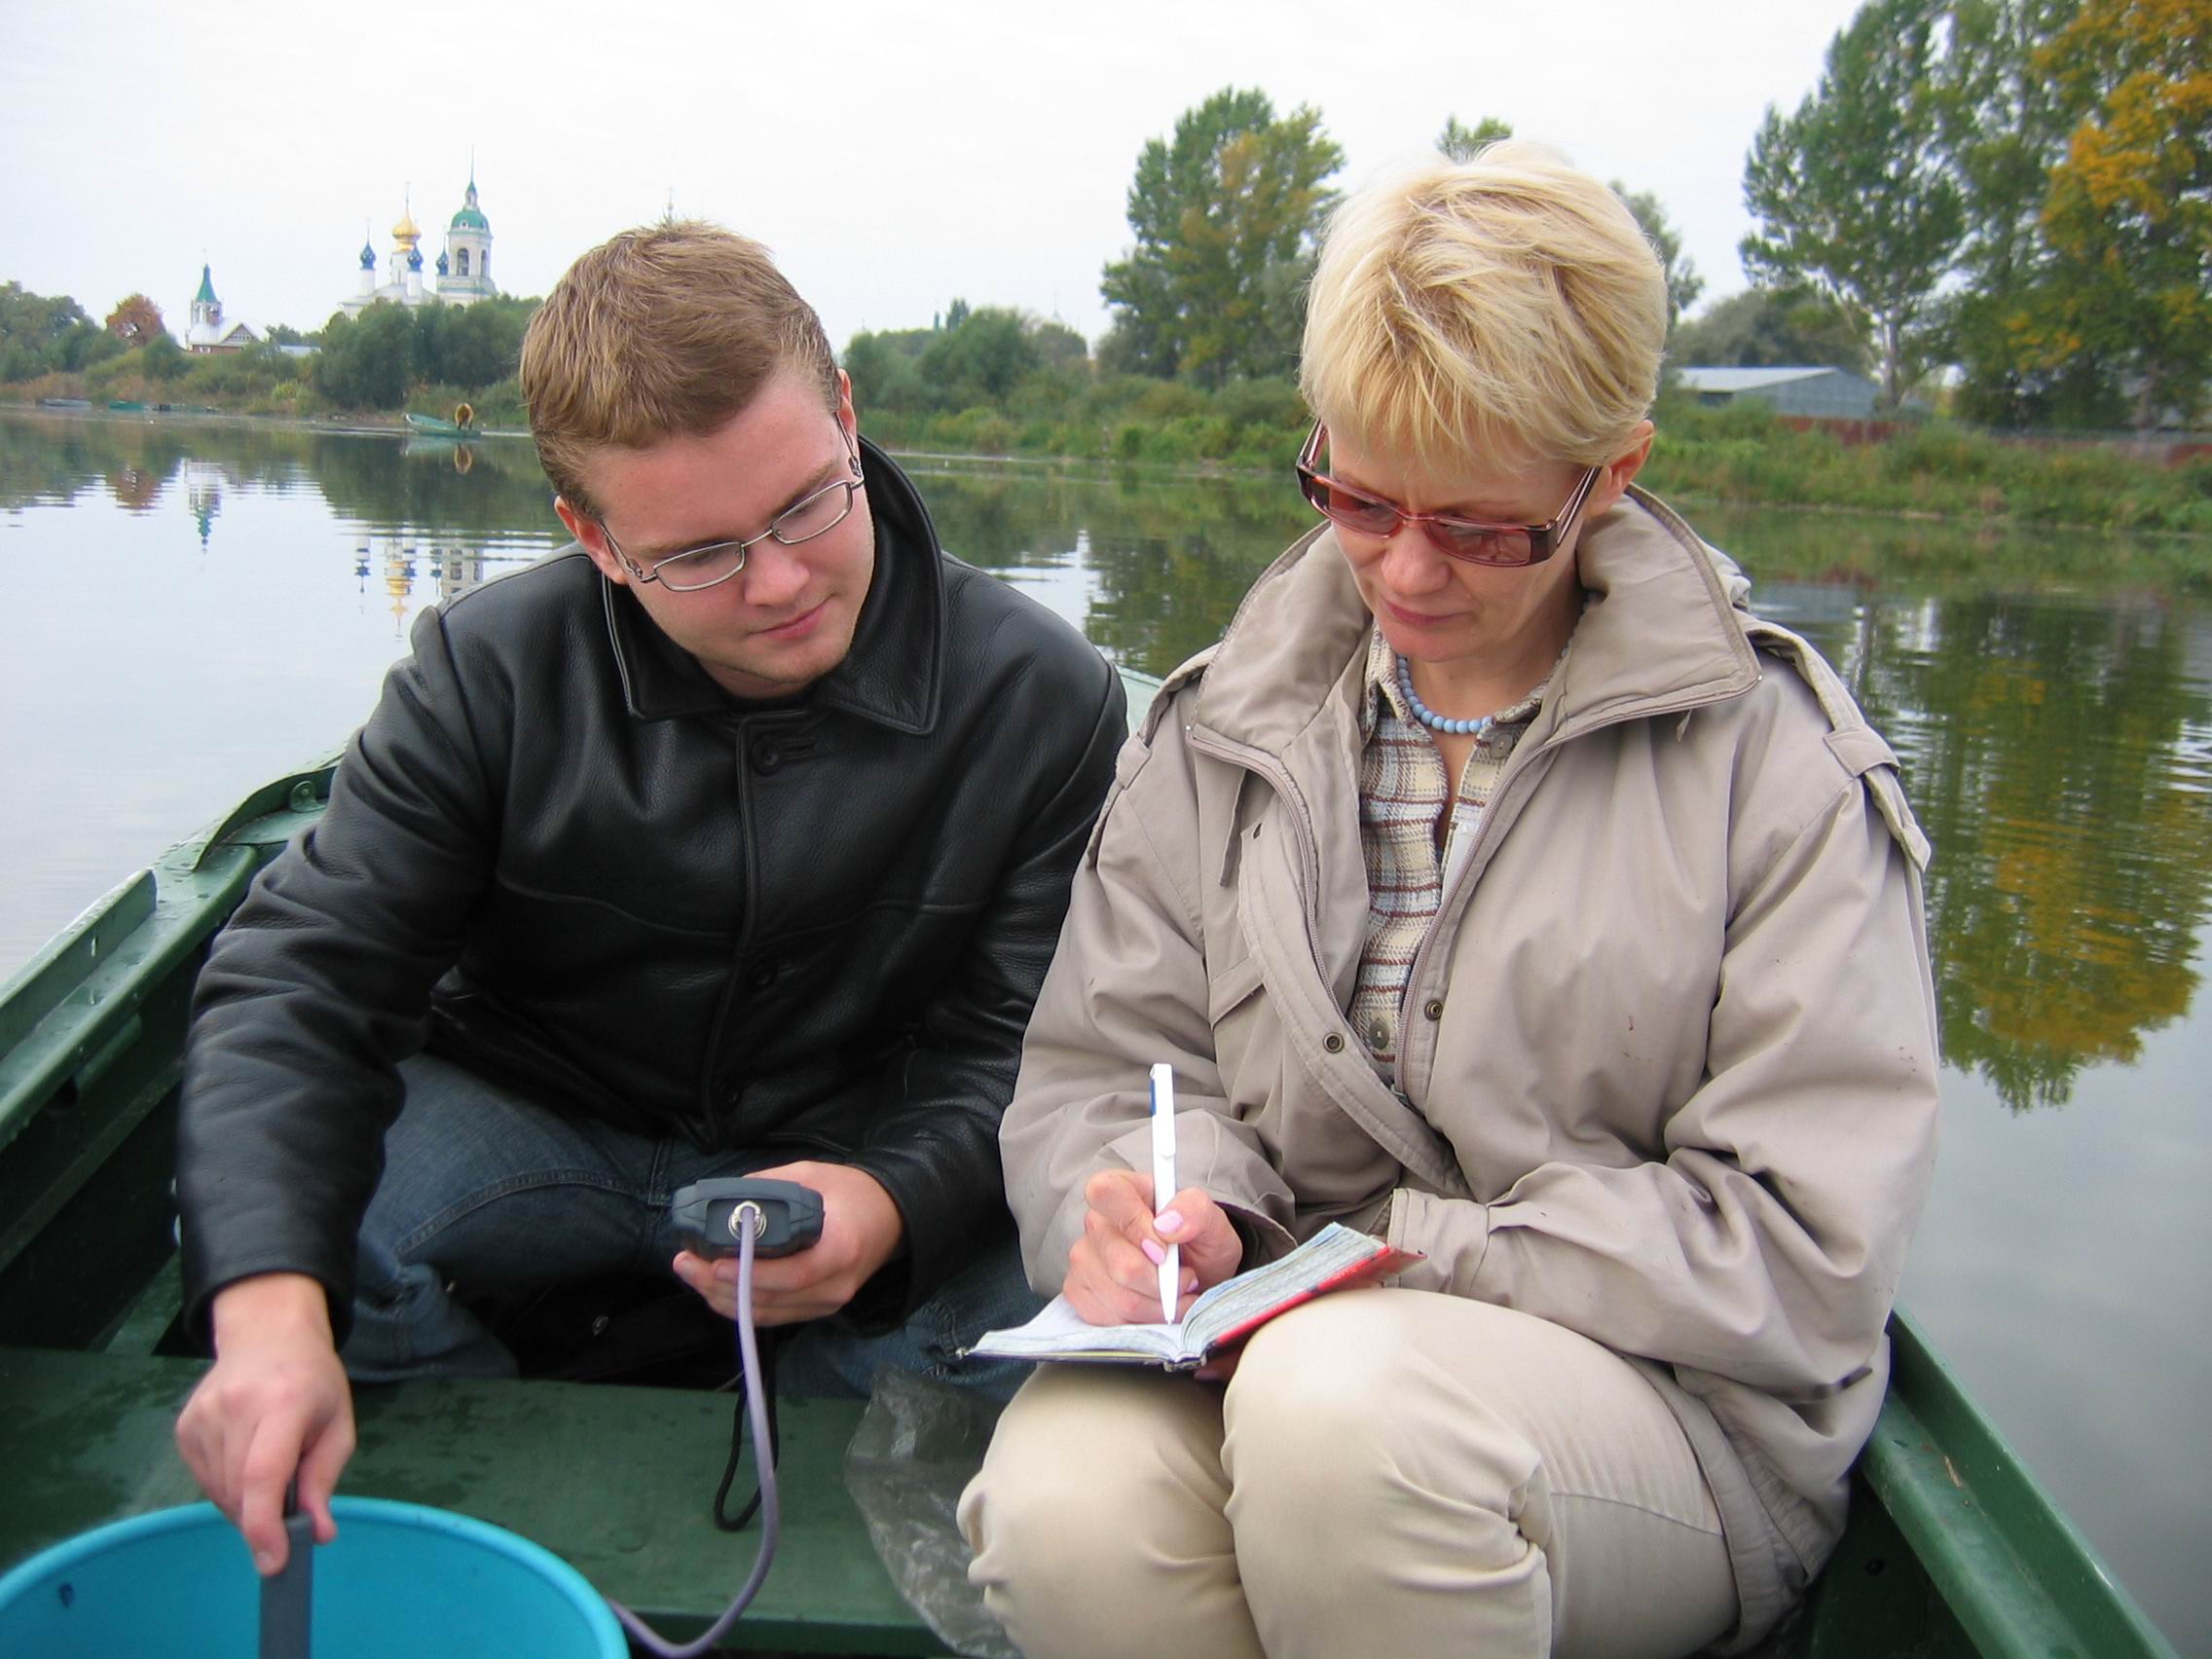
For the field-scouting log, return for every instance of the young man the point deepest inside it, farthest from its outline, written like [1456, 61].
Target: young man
[733, 840]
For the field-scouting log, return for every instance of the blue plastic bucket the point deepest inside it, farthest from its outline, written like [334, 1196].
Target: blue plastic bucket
[402, 1579]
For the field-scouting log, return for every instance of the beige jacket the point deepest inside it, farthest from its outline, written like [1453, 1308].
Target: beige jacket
[1668, 1074]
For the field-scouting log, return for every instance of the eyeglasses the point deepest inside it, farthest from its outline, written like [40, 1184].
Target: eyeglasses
[1476, 542]
[697, 568]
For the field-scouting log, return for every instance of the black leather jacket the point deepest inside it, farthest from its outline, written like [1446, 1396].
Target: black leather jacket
[559, 855]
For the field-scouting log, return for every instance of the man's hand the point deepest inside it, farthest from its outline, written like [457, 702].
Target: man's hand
[274, 1405]
[860, 1228]
[1114, 1267]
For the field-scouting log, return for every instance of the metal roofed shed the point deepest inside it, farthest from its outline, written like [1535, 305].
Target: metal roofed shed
[1829, 393]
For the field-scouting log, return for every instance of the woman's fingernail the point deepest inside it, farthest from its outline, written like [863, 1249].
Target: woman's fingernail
[1153, 1253]
[264, 1562]
[1190, 1281]
[1168, 1221]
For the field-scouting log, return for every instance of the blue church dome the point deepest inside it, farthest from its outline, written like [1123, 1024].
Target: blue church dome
[368, 257]
[414, 259]
[443, 270]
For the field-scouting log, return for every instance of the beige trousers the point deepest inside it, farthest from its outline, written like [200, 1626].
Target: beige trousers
[1388, 1472]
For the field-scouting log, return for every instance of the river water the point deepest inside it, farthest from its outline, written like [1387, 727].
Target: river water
[194, 607]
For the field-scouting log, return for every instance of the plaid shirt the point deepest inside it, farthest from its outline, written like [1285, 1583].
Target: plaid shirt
[1402, 792]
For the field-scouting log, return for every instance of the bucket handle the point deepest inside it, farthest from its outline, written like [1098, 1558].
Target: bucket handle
[287, 1598]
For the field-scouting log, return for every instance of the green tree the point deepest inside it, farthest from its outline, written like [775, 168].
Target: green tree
[1461, 142]
[39, 335]
[1684, 283]
[975, 357]
[2130, 206]
[2004, 121]
[1132, 346]
[1228, 215]
[886, 373]
[474, 346]
[1851, 192]
[135, 321]
[163, 359]
[1772, 328]
[369, 361]
[979, 359]
[1060, 346]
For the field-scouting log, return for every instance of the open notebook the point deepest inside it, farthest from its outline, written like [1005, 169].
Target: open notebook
[1228, 1313]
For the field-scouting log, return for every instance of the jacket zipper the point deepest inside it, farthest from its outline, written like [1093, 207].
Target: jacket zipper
[710, 1084]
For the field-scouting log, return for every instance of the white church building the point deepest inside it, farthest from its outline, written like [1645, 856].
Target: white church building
[463, 273]
[208, 333]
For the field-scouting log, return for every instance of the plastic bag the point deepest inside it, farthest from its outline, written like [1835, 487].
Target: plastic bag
[919, 1446]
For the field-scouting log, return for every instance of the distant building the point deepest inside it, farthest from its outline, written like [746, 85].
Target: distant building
[208, 333]
[1830, 394]
[463, 269]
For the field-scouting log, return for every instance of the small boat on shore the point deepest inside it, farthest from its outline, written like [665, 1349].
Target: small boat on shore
[461, 427]
[1952, 1549]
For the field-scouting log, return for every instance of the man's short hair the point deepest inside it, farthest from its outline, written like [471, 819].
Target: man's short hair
[670, 329]
[1510, 304]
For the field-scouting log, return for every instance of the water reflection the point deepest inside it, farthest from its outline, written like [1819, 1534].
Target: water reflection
[1164, 561]
[2073, 810]
[412, 574]
[2058, 750]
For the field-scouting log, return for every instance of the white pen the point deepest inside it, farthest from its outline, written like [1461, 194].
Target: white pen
[1163, 1179]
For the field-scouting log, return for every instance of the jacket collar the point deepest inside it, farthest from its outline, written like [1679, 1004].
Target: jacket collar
[893, 675]
[1662, 627]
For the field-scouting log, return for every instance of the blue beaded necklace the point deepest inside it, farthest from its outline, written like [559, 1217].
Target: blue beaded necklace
[1428, 716]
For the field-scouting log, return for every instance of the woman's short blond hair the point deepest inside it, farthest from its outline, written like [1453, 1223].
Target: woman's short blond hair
[1510, 304]
[668, 329]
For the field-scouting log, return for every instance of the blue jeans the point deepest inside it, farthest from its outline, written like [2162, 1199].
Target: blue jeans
[486, 1194]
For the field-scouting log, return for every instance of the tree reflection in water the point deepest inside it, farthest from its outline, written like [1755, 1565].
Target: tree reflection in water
[2058, 750]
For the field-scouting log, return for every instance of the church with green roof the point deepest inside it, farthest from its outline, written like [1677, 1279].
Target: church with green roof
[463, 272]
[207, 332]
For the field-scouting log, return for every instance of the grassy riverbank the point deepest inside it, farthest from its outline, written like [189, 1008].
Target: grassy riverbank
[259, 381]
[1935, 469]
[1739, 455]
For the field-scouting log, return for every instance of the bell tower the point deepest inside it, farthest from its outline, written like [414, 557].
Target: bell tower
[464, 273]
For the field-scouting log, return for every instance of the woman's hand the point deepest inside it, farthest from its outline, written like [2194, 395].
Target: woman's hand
[1114, 1267]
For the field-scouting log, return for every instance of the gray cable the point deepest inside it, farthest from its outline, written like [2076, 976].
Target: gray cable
[771, 1514]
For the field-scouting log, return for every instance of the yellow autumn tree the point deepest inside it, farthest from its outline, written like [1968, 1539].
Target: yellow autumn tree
[2130, 207]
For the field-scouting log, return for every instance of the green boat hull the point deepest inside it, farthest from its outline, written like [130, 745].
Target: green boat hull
[432, 427]
[1952, 1548]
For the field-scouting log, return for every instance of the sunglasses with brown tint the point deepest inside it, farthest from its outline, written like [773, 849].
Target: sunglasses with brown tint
[1477, 542]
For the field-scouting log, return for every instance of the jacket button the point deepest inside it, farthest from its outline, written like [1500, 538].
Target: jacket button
[1433, 1007]
[1334, 1041]
[767, 755]
[763, 977]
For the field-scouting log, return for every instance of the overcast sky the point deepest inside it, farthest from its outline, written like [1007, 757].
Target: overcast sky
[893, 156]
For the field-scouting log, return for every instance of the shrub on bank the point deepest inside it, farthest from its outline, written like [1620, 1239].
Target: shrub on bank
[1744, 452]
